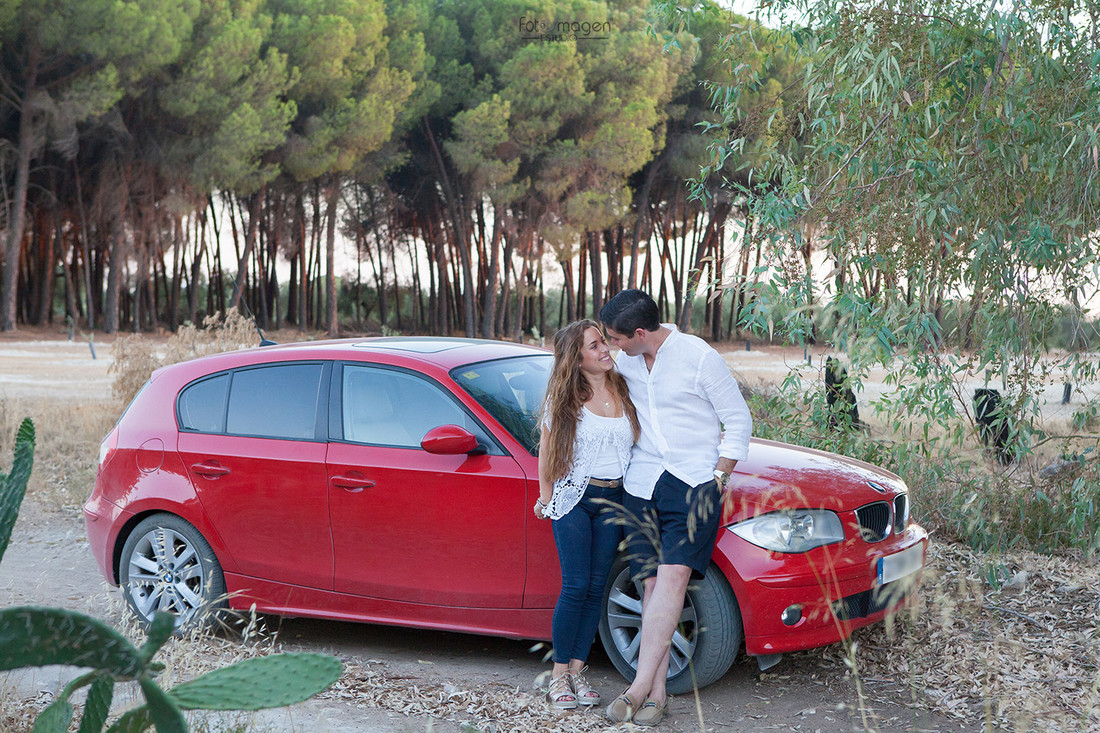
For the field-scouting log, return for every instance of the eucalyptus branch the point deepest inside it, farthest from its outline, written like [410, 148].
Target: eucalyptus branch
[880, 180]
[996, 72]
[855, 152]
[1071, 436]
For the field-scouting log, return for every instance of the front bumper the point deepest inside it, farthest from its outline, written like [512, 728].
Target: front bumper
[826, 593]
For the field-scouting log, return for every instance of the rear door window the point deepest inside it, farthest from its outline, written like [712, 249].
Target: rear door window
[275, 401]
[272, 401]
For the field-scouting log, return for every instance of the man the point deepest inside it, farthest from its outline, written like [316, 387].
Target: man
[684, 395]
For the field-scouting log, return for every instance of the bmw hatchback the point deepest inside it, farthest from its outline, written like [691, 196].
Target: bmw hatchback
[390, 481]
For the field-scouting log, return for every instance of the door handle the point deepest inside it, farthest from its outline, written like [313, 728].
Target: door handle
[353, 484]
[210, 470]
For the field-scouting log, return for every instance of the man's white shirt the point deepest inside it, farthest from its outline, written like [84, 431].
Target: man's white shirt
[683, 403]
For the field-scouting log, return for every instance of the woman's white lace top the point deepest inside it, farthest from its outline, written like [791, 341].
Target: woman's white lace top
[595, 434]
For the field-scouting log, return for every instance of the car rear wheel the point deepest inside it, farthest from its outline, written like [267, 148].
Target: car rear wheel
[167, 565]
[704, 645]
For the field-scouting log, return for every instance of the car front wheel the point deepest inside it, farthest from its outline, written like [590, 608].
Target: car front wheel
[167, 565]
[706, 640]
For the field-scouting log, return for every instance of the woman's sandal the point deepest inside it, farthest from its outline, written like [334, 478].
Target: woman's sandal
[622, 709]
[586, 694]
[560, 693]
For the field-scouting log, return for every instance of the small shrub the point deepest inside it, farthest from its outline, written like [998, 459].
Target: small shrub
[136, 357]
[955, 491]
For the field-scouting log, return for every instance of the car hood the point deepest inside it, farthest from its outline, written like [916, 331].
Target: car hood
[783, 476]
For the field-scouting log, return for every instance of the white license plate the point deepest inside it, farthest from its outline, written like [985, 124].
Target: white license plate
[906, 562]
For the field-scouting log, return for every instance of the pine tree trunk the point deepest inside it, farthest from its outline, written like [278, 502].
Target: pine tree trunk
[18, 214]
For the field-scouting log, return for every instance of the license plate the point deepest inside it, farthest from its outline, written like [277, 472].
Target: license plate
[906, 562]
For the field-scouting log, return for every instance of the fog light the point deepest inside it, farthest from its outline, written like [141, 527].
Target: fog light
[791, 615]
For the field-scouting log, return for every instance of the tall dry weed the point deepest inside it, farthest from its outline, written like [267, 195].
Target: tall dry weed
[136, 357]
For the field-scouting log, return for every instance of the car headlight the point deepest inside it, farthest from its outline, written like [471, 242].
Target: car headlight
[796, 530]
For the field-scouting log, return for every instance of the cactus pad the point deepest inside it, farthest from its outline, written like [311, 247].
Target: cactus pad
[55, 718]
[14, 484]
[163, 709]
[264, 682]
[36, 637]
[98, 704]
[162, 627]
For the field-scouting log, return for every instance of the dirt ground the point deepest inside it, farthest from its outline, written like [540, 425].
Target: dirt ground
[406, 679]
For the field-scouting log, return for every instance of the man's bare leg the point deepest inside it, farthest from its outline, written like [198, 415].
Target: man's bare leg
[662, 607]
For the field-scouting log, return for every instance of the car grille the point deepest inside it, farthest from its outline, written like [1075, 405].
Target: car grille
[862, 605]
[874, 521]
[901, 511]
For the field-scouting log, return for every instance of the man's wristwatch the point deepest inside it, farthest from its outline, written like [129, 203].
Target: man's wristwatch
[721, 477]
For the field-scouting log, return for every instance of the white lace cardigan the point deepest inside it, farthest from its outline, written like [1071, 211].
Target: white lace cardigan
[595, 434]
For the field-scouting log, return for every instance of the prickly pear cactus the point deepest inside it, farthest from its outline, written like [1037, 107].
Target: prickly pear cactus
[14, 485]
[36, 637]
[263, 682]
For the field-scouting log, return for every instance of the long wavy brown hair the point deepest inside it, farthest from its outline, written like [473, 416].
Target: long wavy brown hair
[566, 393]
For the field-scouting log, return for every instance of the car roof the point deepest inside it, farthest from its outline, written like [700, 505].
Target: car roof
[438, 352]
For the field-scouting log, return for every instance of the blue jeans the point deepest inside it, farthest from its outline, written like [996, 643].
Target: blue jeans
[587, 539]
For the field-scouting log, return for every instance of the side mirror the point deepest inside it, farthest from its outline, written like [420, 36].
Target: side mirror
[449, 440]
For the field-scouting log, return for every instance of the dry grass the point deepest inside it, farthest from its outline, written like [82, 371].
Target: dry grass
[492, 707]
[67, 446]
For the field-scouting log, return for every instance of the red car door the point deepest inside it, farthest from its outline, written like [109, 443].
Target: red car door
[259, 469]
[408, 525]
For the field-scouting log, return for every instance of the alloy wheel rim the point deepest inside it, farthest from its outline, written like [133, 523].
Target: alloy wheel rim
[624, 620]
[165, 573]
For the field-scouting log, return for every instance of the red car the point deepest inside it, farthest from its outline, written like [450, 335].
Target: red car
[391, 480]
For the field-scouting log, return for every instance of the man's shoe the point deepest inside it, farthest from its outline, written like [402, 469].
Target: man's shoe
[650, 713]
[622, 709]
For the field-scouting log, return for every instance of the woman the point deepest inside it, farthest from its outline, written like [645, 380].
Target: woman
[588, 428]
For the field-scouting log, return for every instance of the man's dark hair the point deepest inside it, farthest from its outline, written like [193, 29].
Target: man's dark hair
[630, 310]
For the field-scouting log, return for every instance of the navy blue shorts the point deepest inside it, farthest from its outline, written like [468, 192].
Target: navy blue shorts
[677, 526]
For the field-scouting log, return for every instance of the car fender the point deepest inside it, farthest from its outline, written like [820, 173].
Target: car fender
[169, 490]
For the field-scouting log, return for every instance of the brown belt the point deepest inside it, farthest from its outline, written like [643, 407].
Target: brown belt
[613, 483]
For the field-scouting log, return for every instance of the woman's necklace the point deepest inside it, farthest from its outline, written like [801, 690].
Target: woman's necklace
[606, 401]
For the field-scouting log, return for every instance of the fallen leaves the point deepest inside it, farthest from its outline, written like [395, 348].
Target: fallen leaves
[1025, 656]
[490, 708]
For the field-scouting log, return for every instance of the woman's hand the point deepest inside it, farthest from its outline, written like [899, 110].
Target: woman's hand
[540, 509]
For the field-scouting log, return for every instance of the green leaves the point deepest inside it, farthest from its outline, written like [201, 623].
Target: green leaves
[55, 718]
[162, 627]
[44, 636]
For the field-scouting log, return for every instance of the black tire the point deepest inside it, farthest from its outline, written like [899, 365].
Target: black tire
[705, 645]
[167, 564]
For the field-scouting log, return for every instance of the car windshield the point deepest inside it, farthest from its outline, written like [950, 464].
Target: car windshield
[511, 390]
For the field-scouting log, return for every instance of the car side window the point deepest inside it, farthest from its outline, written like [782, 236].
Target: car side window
[278, 401]
[388, 407]
[202, 405]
